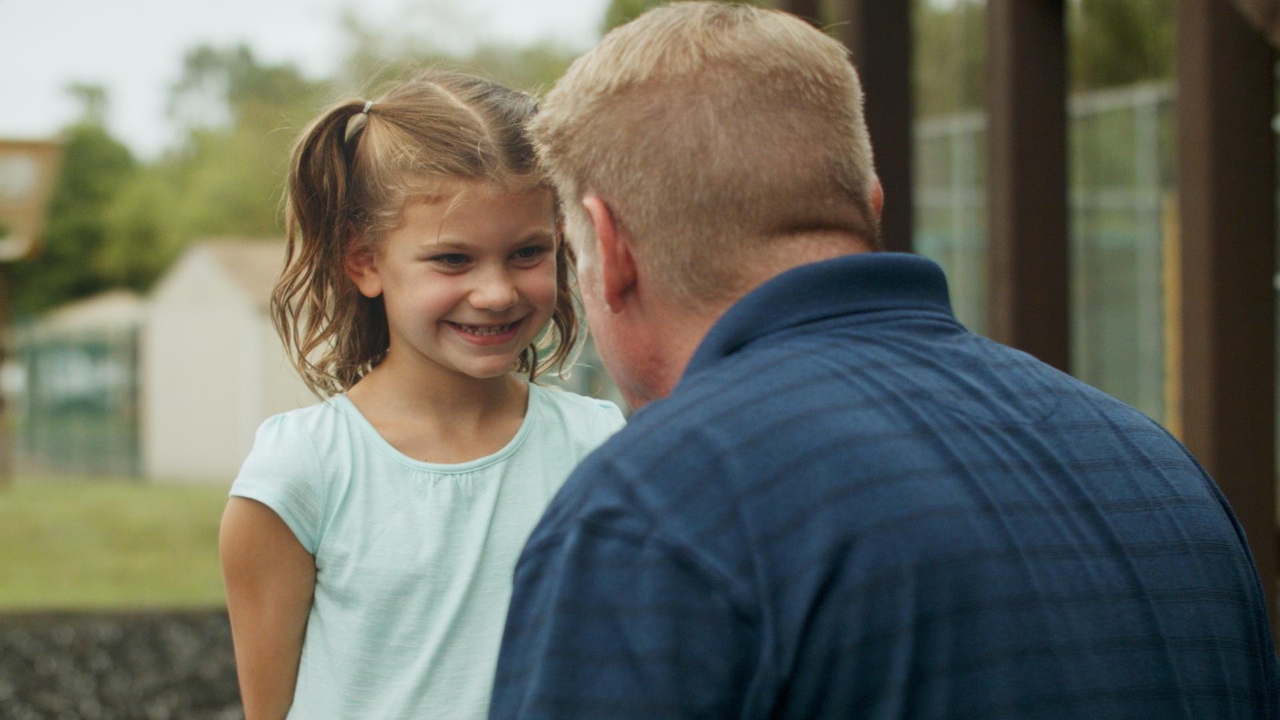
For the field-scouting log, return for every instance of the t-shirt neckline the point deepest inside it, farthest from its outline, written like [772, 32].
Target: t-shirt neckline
[366, 428]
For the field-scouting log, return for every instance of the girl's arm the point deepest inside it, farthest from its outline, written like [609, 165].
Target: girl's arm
[270, 579]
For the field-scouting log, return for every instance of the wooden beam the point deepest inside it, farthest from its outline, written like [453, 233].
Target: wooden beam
[878, 35]
[1029, 294]
[1226, 171]
[1264, 15]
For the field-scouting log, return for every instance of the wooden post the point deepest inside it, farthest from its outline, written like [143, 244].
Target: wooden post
[1027, 183]
[1226, 171]
[1171, 293]
[878, 35]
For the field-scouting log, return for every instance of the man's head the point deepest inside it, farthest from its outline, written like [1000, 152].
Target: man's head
[721, 144]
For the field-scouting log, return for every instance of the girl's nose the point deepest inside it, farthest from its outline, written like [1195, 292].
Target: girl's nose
[494, 292]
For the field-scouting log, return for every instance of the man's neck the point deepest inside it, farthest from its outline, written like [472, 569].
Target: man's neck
[670, 350]
[682, 328]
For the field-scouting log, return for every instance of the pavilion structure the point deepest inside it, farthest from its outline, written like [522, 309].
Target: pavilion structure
[1225, 306]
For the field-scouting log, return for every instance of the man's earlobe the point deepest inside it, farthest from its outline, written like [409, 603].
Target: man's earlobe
[361, 267]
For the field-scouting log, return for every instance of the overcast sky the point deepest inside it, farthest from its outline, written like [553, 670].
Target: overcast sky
[134, 48]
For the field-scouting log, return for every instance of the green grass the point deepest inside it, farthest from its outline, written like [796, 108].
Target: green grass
[109, 544]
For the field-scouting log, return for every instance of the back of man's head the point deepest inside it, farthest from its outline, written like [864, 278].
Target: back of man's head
[717, 134]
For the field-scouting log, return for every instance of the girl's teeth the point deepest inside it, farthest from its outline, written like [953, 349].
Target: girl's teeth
[491, 330]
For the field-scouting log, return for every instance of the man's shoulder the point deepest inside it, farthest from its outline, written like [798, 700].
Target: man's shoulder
[644, 479]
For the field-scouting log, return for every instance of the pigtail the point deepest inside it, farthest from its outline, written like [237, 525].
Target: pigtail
[323, 327]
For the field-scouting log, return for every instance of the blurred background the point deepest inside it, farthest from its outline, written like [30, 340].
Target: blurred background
[143, 148]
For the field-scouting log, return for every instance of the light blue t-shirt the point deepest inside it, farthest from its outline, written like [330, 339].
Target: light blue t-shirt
[414, 560]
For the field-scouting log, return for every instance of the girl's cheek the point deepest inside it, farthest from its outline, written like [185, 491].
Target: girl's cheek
[546, 289]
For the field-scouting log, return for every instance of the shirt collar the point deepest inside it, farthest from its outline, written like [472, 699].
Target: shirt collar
[850, 284]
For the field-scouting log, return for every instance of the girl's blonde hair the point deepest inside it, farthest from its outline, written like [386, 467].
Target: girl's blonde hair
[352, 172]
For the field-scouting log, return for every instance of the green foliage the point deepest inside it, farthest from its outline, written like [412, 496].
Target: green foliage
[621, 12]
[94, 167]
[950, 53]
[1119, 42]
[113, 223]
[93, 102]
[240, 118]
[229, 87]
[142, 237]
[1110, 43]
[378, 57]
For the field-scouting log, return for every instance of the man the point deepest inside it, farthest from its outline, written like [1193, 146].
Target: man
[834, 501]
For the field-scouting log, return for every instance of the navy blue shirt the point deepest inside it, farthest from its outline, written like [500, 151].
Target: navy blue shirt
[852, 507]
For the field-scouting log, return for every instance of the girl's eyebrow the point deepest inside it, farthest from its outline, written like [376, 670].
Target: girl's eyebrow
[442, 245]
[449, 244]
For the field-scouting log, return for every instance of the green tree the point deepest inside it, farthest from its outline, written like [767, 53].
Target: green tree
[1110, 43]
[949, 54]
[94, 167]
[142, 232]
[229, 87]
[1119, 42]
[241, 118]
[238, 118]
[379, 56]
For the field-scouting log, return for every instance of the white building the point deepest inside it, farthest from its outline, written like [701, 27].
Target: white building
[213, 367]
[72, 387]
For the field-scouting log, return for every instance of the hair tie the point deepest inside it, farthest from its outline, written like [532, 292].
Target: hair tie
[367, 104]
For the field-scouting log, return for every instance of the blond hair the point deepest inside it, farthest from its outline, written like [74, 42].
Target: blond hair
[353, 170]
[712, 130]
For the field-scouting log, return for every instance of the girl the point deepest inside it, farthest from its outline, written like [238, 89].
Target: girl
[370, 540]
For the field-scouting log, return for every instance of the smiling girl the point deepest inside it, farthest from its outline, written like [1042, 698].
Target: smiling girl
[370, 540]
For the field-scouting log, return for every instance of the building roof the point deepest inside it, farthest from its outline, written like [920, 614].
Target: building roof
[254, 265]
[110, 311]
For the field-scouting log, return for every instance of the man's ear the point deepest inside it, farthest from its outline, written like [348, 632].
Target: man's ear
[362, 267]
[613, 252]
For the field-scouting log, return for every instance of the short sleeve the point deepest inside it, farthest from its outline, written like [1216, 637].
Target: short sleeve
[611, 419]
[283, 473]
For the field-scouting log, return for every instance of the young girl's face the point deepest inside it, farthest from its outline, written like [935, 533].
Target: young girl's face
[468, 280]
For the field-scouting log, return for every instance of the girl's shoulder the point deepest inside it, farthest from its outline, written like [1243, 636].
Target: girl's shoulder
[322, 425]
[589, 419]
[291, 464]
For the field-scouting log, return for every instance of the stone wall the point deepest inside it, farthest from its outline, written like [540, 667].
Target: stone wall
[118, 666]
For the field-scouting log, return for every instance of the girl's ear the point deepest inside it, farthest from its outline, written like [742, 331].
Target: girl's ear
[362, 267]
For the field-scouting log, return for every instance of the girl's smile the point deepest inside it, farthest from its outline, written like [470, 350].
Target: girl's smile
[488, 334]
[468, 280]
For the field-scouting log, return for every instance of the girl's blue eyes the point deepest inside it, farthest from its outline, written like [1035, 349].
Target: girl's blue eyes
[457, 260]
[451, 259]
[529, 253]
